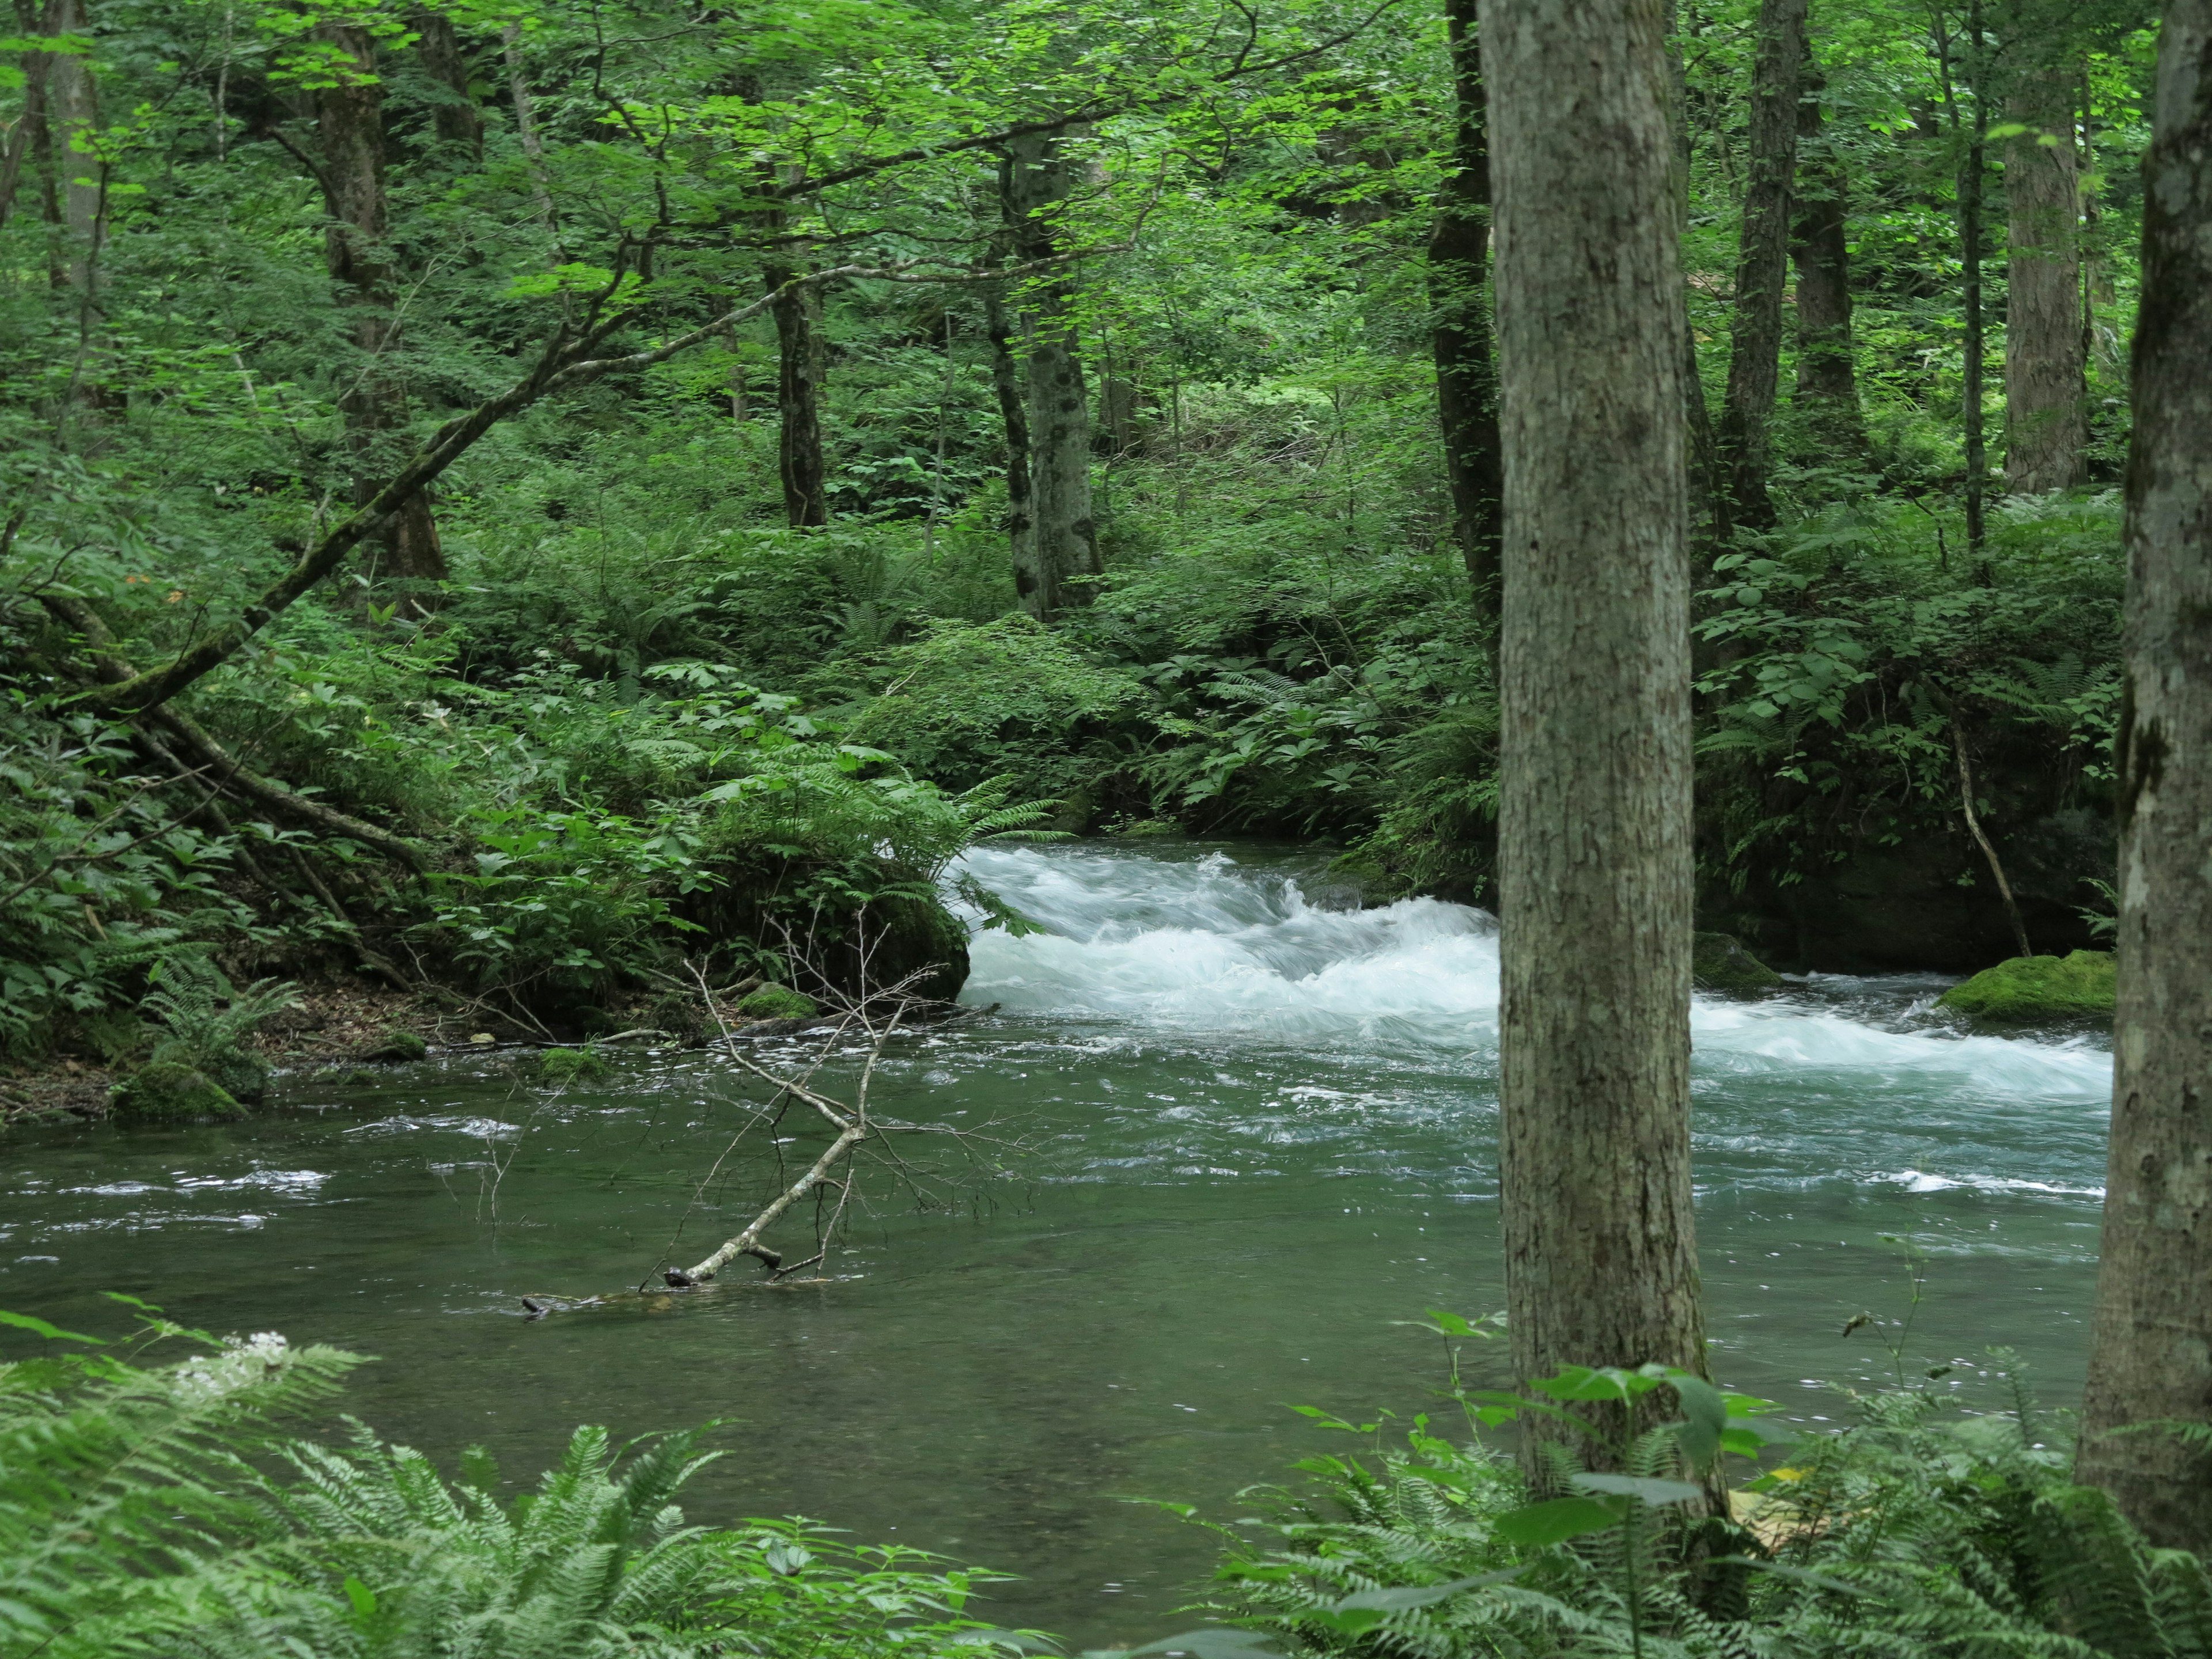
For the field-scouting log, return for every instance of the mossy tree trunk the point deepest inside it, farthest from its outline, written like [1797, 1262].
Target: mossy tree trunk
[800, 370]
[2046, 367]
[1762, 270]
[1827, 380]
[2151, 1337]
[1595, 835]
[1458, 268]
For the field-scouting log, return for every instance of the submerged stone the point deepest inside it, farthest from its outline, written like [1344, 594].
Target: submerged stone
[557, 1067]
[168, 1092]
[2026, 989]
[1719, 962]
[398, 1045]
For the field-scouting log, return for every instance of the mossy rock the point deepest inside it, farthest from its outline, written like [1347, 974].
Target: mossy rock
[169, 1091]
[399, 1046]
[557, 1068]
[906, 935]
[777, 1002]
[1719, 962]
[681, 1017]
[241, 1076]
[2026, 990]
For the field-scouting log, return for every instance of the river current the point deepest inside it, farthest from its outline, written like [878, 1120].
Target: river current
[1256, 1135]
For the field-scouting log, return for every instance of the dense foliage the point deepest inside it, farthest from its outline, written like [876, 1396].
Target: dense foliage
[631, 683]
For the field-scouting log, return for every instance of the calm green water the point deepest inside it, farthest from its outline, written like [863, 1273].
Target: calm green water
[1263, 1131]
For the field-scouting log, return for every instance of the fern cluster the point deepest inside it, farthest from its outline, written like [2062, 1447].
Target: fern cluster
[1919, 1532]
[160, 1510]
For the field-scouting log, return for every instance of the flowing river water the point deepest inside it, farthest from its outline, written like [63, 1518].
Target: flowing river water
[1261, 1134]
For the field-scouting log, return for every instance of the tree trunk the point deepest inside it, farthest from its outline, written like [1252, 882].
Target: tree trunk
[1762, 270]
[34, 129]
[1006, 382]
[2151, 1336]
[1973, 186]
[1467, 378]
[2046, 414]
[1595, 835]
[374, 405]
[455, 119]
[73, 111]
[798, 401]
[1827, 380]
[1035, 180]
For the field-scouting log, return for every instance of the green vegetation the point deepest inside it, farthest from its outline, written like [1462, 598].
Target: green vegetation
[776, 1002]
[556, 1068]
[161, 1509]
[2028, 989]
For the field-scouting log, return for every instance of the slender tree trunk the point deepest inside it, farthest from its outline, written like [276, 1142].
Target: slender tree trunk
[1973, 180]
[73, 110]
[2150, 1358]
[798, 401]
[525, 130]
[2046, 414]
[456, 121]
[34, 129]
[1594, 833]
[1704, 457]
[1035, 179]
[374, 405]
[1006, 382]
[1762, 268]
[1467, 378]
[1827, 380]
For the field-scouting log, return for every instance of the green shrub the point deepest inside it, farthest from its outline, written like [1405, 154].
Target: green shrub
[2027, 989]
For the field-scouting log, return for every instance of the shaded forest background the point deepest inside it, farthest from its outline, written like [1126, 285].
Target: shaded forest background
[1100, 437]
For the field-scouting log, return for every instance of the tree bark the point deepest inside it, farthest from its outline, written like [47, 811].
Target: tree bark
[526, 131]
[2151, 1335]
[1827, 380]
[1762, 270]
[1973, 180]
[1594, 833]
[1466, 377]
[1035, 180]
[351, 125]
[34, 129]
[798, 399]
[73, 111]
[2047, 389]
[456, 121]
[1006, 382]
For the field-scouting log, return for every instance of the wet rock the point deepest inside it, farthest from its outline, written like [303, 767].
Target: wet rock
[558, 1067]
[398, 1045]
[168, 1092]
[2026, 990]
[1719, 962]
[777, 1002]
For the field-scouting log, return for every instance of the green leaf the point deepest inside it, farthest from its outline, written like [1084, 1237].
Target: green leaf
[1536, 1525]
[1657, 1493]
[39, 1327]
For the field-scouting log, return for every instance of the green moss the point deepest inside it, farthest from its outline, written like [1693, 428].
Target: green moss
[168, 1092]
[399, 1046]
[559, 1066]
[1719, 962]
[777, 1002]
[2027, 989]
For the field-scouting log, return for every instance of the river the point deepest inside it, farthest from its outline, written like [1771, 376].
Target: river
[1261, 1134]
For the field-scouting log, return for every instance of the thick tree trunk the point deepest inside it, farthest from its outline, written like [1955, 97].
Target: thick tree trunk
[374, 405]
[2046, 414]
[456, 121]
[1762, 270]
[1600, 1250]
[1006, 382]
[1827, 380]
[1035, 180]
[1466, 378]
[798, 401]
[2151, 1337]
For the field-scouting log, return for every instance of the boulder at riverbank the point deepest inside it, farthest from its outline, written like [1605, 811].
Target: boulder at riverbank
[167, 1091]
[2025, 990]
[1719, 962]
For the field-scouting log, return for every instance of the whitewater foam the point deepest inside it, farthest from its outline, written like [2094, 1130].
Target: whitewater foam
[1207, 945]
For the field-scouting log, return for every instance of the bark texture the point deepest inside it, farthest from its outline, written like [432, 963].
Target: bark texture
[1013, 413]
[1827, 381]
[73, 108]
[1601, 1251]
[1466, 375]
[1064, 539]
[350, 127]
[1762, 268]
[2151, 1335]
[798, 399]
[2046, 414]
[454, 117]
